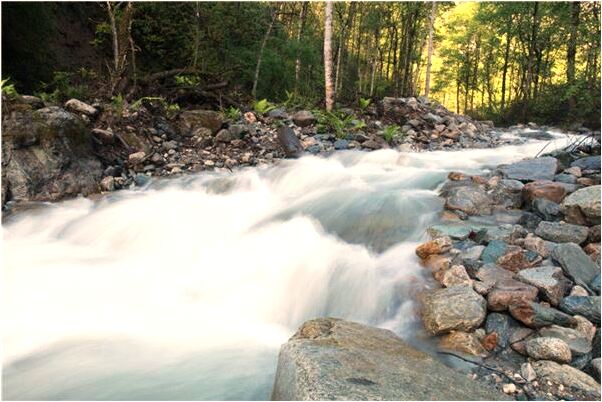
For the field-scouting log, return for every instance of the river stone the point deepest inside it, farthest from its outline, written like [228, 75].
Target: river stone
[549, 190]
[568, 376]
[537, 315]
[289, 142]
[304, 118]
[494, 250]
[559, 232]
[549, 280]
[531, 169]
[503, 325]
[78, 106]
[547, 348]
[595, 284]
[588, 163]
[508, 193]
[548, 210]
[332, 359]
[491, 273]
[575, 340]
[463, 342]
[455, 308]
[587, 306]
[458, 231]
[436, 246]
[576, 264]
[583, 206]
[455, 275]
[565, 178]
[595, 365]
[470, 200]
[507, 292]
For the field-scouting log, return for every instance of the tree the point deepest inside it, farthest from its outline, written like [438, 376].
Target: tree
[261, 50]
[328, 84]
[570, 54]
[427, 81]
[123, 44]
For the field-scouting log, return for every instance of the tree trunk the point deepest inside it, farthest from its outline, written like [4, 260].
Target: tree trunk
[570, 55]
[505, 71]
[427, 80]
[299, 34]
[261, 49]
[329, 88]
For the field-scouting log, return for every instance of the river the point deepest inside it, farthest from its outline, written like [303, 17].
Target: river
[185, 289]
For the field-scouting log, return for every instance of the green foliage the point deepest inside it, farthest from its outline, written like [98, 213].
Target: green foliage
[187, 80]
[171, 109]
[263, 106]
[66, 85]
[118, 104]
[232, 113]
[364, 103]
[8, 88]
[338, 122]
[390, 132]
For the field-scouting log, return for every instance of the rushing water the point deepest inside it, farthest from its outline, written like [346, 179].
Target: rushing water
[186, 289]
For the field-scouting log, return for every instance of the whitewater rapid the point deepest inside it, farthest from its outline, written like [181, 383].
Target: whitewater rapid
[185, 289]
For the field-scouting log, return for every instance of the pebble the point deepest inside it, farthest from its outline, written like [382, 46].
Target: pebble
[509, 388]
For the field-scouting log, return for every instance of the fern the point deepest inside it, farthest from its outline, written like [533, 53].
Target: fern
[263, 106]
[364, 103]
[7, 88]
[232, 113]
[390, 132]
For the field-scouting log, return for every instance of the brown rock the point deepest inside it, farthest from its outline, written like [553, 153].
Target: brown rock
[548, 348]
[250, 118]
[593, 250]
[136, 158]
[462, 342]
[456, 275]
[458, 308]
[515, 259]
[436, 263]
[537, 315]
[508, 292]
[534, 243]
[585, 181]
[456, 176]
[489, 341]
[544, 189]
[436, 246]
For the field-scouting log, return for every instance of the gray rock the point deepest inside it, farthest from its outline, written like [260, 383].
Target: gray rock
[341, 144]
[494, 250]
[565, 178]
[537, 315]
[547, 348]
[455, 308]
[595, 365]
[304, 118]
[595, 284]
[332, 359]
[531, 169]
[568, 376]
[105, 136]
[508, 193]
[191, 120]
[560, 232]
[289, 142]
[575, 340]
[278, 113]
[587, 306]
[583, 206]
[576, 264]
[546, 209]
[549, 280]
[588, 163]
[78, 106]
[470, 200]
[503, 325]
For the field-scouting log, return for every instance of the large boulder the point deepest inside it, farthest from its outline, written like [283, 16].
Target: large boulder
[583, 206]
[569, 377]
[549, 280]
[576, 264]
[47, 154]
[588, 163]
[304, 118]
[586, 306]
[531, 169]
[332, 359]
[548, 348]
[544, 189]
[456, 308]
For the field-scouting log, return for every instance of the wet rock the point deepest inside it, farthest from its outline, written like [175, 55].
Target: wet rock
[575, 340]
[107, 184]
[568, 376]
[531, 169]
[583, 206]
[549, 280]
[560, 232]
[459, 231]
[547, 348]
[503, 325]
[588, 163]
[576, 264]
[331, 359]
[289, 142]
[494, 250]
[529, 220]
[78, 106]
[587, 306]
[341, 144]
[470, 200]
[462, 342]
[565, 178]
[304, 118]
[508, 193]
[549, 190]
[191, 120]
[456, 308]
[536, 315]
[436, 246]
[595, 284]
[508, 292]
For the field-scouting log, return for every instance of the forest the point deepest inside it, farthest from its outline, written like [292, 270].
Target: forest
[507, 61]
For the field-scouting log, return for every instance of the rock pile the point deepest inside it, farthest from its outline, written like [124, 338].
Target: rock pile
[517, 254]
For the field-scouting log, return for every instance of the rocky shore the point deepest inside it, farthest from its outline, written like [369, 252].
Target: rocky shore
[517, 256]
[51, 152]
